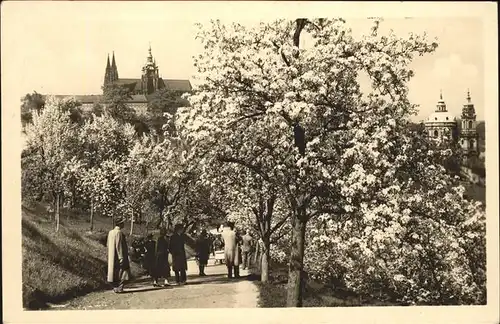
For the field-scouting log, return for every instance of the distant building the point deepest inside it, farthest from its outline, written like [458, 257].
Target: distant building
[141, 89]
[468, 134]
[442, 125]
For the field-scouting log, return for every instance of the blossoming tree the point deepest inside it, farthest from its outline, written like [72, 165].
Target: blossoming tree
[50, 140]
[298, 113]
[251, 203]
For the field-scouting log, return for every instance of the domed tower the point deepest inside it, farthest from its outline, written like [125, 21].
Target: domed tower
[468, 134]
[441, 124]
[150, 75]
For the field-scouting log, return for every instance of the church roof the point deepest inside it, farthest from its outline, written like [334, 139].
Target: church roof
[170, 84]
[177, 85]
[440, 117]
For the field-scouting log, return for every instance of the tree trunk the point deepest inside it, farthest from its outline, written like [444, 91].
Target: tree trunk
[257, 250]
[295, 270]
[264, 268]
[91, 215]
[132, 223]
[57, 212]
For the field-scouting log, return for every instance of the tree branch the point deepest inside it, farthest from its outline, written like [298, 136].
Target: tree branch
[250, 166]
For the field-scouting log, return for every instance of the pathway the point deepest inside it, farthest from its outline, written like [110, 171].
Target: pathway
[213, 291]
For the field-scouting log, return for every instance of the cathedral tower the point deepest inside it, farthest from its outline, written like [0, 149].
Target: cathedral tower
[111, 74]
[468, 134]
[150, 75]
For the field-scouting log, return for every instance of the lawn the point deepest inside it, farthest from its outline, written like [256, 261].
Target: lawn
[316, 294]
[62, 265]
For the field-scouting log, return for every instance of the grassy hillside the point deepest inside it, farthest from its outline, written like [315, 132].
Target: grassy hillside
[72, 262]
[58, 266]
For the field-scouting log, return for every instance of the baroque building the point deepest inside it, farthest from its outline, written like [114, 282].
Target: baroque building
[442, 125]
[468, 134]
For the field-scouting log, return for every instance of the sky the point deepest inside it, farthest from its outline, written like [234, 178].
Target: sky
[61, 48]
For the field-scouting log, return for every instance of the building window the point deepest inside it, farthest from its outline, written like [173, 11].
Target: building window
[435, 118]
[470, 124]
[446, 118]
[471, 144]
[436, 134]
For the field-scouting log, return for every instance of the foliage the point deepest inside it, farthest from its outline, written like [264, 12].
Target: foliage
[31, 102]
[50, 143]
[116, 97]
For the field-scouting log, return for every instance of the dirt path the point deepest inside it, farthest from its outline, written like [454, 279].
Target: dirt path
[213, 291]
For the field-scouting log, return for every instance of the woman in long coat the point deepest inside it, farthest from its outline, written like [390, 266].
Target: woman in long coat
[149, 256]
[161, 267]
[178, 251]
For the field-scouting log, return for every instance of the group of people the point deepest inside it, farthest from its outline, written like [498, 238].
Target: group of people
[237, 249]
[157, 257]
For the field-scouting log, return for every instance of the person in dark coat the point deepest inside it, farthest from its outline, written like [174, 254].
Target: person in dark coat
[161, 267]
[178, 251]
[149, 255]
[203, 249]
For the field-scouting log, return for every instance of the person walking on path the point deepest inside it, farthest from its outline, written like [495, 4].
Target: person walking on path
[178, 251]
[118, 260]
[161, 267]
[231, 250]
[203, 247]
[246, 248]
[149, 255]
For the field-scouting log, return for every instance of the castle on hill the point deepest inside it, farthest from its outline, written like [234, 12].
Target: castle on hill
[442, 125]
[142, 89]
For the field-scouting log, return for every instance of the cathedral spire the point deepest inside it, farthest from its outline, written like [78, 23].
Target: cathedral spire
[114, 69]
[468, 96]
[107, 74]
[150, 55]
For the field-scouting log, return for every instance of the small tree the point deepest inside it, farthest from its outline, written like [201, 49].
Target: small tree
[115, 98]
[51, 137]
[31, 102]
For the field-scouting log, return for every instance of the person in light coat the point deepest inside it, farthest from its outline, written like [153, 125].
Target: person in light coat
[231, 250]
[118, 260]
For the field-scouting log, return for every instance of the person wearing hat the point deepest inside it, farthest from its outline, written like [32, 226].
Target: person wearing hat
[118, 261]
[203, 247]
[178, 251]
